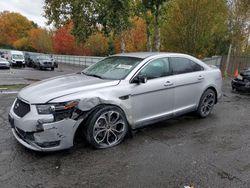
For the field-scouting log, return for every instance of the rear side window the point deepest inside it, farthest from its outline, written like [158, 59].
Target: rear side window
[183, 65]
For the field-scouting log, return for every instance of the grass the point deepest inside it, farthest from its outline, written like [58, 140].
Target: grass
[14, 87]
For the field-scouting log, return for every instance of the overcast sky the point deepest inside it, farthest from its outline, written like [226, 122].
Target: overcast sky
[32, 9]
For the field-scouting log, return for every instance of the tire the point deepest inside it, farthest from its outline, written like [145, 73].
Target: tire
[103, 132]
[206, 103]
[52, 68]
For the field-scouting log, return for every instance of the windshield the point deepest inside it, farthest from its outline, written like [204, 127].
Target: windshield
[44, 58]
[16, 56]
[114, 68]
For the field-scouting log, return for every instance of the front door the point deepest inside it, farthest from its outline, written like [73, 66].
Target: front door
[155, 98]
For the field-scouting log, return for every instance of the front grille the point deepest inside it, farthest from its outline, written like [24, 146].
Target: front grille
[47, 63]
[19, 63]
[21, 108]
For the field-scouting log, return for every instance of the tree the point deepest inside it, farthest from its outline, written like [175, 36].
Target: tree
[114, 17]
[88, 16]
[64, 41]
[239, 24]
[13, 27]
[40, 40]
[80, 12]
[151, 11]
[97, 44]
[135, 38]
[23, 44]
[197, 27]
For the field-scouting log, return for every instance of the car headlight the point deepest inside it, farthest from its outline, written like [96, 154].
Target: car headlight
[56, 108]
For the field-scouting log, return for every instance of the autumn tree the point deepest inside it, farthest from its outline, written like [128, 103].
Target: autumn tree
[23, 44]
[97, 44]
[197, 27]
[135, 38]
[63, 40]
[40, 40]
[239, 25]
[18, 32]
[13, 27]
[109, 16]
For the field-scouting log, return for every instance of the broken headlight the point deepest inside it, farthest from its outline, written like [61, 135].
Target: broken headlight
[60, 110]
[56, 108]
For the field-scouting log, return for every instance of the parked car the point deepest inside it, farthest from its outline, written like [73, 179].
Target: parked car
[242, 82]
[43, 62]
[16, 58]
[112, 97]
[4, 63]
[55, 62]
[30, 58]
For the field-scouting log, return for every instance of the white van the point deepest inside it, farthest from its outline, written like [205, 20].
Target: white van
[16, 58]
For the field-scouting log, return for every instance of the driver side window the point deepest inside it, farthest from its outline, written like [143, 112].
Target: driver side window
[156, 69]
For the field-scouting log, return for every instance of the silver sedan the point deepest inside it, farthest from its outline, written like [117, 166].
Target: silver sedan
[4, 63]
[109, 99]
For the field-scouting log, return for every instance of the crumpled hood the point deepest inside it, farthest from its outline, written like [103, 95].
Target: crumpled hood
[44, 91]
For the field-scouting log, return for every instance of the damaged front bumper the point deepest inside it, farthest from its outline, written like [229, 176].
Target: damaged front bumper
[241, 85]
[41, 133]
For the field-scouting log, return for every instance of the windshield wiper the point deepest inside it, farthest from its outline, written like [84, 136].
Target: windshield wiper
[94, 75]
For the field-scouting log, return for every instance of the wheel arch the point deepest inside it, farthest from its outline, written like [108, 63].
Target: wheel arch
[215, 91]
[88, 113]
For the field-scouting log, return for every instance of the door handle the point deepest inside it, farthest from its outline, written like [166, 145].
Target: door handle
[200, 77]
[168, 83]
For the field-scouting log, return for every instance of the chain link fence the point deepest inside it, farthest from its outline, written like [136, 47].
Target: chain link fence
[215, 60]
[89, 60]
[77, 60]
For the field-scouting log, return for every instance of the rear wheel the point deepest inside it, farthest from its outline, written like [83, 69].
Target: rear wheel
[206, 104]
[107, 127]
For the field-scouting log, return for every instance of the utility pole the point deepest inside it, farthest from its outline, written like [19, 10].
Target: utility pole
[228, 60]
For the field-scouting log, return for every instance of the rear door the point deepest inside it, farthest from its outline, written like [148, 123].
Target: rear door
[188, 79]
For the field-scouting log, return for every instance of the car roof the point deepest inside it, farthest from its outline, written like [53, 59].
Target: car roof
[144, 55]
[141, 55]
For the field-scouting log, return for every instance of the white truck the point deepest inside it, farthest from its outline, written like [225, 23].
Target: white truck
[16, 58]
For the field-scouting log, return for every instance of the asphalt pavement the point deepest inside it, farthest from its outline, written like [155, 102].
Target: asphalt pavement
[212, 152]
[29, 75]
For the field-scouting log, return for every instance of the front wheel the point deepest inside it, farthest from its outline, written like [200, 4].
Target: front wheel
[107, 127]
[206, 104]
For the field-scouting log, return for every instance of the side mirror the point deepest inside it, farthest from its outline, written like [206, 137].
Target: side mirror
[140, 79]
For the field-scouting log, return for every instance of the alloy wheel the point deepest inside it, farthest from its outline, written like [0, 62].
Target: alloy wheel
[208, 104]
[109, 129]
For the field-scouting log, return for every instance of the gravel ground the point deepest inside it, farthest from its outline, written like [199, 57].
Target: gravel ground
[212, 152]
